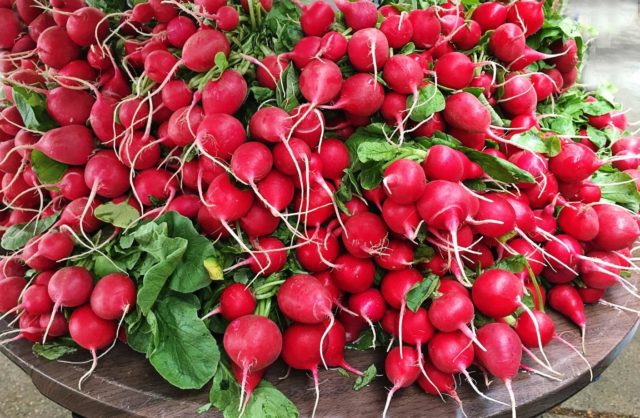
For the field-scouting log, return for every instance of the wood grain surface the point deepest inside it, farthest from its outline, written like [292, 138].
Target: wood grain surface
[125, 385]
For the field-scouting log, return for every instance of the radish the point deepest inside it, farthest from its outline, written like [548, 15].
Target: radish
[179, 30]
[316, 19]
[453, 311]
[368, 49]
[71, 144]
[576, 162]
[11, 287]
[334, 352]
[224, 95]
[139, 151]
[219, 135]
[438, 382]
[106, 176]
[318, 253]
[565, 299]
[618, 228]
[426, 27]
[55, 48]
[464, 111]
[361, 95]
[455, 70]
[335, 158]
[78, 217]
[69, 107]
[236, 301]
[199, 51]
[90, 332]
[401, 368]
[300, 345]
[188, 206]
[248, 382]
[113, 296]
[528, 14]
[302, 298]
[270, 256]
[11, 24]
[394, 287]
[55, 246]
[270, 71]
[497, 293]
[507, 42]
[490, 15]
[87, 26]
[183, 125]
[401, 219]
[72, 185]
[58, 327]
[399, 255]
[352, 274]
[320, 82]
[402, 74]
[359, 14]
[333, 46]
[365, 235]
[253, 343]
[370, 305]
[567, 58]
[398, 30]
[503, 355]
[225, 201]
[518, 95]
[580, 221]
[404, 181]
[156, 184]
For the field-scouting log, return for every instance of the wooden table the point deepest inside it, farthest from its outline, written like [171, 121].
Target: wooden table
[126, 385]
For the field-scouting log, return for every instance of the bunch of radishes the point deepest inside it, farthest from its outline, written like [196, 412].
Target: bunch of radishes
[361, 163]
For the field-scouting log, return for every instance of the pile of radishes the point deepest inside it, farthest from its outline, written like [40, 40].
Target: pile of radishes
[379, 171]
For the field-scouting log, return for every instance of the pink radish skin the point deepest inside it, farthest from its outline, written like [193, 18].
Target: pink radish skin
[399, 255]
[225, 201]
[576, 162]
[270, 257]
[72, 144]
[507, 42]
[353, 274]
[113, 296]
[496, 210]
[401, 219]
[497, 293]
[398, 30]
[580, 221]
[317, 18]
[401, 368]
[253, 342]
[503, 355]
[364, 235]
[224, 95]
[314, 255]
[359, 14]
[404, 181]
[236, 301]
[464, 111]
[426, 27]
[334, 352]
[528, 14]
[361, 95]
[199, 51]
[526, 329]
[363, 44]
[11, 287]
[302, 298]
[58, 327]
[107, 175]
[490, 15]
[618, 228]
[565, 299]
[69, 107]
[154, 183]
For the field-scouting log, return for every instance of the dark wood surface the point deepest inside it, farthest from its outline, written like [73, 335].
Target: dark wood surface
[125, 385]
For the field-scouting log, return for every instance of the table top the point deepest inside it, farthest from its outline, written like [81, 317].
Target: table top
[124, 384]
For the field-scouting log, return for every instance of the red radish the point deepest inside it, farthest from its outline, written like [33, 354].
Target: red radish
[305, 51]
[188, 206]
[236, 300]
[507, 42]
[526, 329]
[565, 299]
[580, 221]
[590, 295]
[518, 95]
[320, 252]
[156, 184]
[453, 311]
[401, 368]
[426, 27]
[199, 51]
[251, 162]
[270, 124]
[404, 181]
[528, 14]
[399, 255]
[225, 201]
[72, 185]
[183, 125]
[316, 18]
[495, 216]
[90, 332]
[334, 352]
[105, 174]
[361, 95]
[269, 257]
[368, 49]
[365, 235]
[134, 113]
[302, 298]
[59, 325]
[401, 219]
[370, 305]
[87, 26]
[438, 382]
[497, 293]
[490, 15]
[55, 245]
[464, 111]
[320, 81]
[394, 287]
[333, 46]
[248, 382]
[576, 162]
[179, 29]
[403, 74]
[303, 349]
[269, 73]
[352, 274]
[567, 58]
[69, 107]
[503, 355]
[335, 158]
[71, 144]
[11, 287]
[139, 151]
[113, 296]
[160, 65]
[444, 163]
[224, 95]
[618, 228]
[55, 48]
[398, 30]
[359, 14]
[451, 352]
[600, 269]
[454, 70]
[78, 217]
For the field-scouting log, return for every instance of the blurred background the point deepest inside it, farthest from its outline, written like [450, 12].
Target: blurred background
[614, 56]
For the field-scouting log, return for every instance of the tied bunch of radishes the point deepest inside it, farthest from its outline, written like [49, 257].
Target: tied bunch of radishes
[423, 179]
